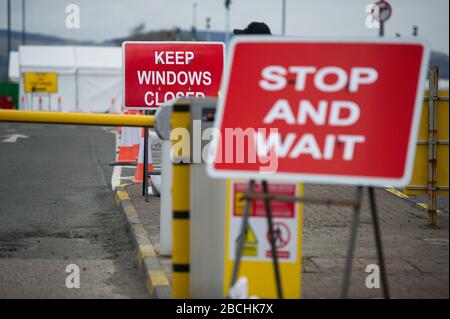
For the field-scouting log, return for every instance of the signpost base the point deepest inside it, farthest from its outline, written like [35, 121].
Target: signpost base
[356, 204]
[245, 224]
[352, 242]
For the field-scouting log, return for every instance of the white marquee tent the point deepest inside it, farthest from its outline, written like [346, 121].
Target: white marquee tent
[88, 78]
[13, 68]
[99, 78]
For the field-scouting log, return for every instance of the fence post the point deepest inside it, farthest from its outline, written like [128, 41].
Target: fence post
[432, 144]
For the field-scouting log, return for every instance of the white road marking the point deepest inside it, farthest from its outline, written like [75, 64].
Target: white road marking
[12, 138]
[127, 177]
[117, 171]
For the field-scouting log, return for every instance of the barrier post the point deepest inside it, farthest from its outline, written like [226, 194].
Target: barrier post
[180, 200]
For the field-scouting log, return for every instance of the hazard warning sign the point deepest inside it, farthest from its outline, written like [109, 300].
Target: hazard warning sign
[256, 241]
[280, 209]
[282, 237]
[250, 243]
[256, 256]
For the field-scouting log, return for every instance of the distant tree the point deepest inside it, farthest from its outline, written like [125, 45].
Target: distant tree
[193, 33]
[137, 29]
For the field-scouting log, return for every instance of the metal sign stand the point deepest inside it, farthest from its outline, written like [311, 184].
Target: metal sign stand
[244, 226]
[146, 173]
[145, 170]
[356, 204]
[352, 243]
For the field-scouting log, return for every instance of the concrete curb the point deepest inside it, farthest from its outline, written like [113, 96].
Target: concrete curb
[157, 283]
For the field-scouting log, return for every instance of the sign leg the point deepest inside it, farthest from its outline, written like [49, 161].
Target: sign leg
[238, 255]
[351, 244]
[380, 254]
[272, 239]
[144, 171]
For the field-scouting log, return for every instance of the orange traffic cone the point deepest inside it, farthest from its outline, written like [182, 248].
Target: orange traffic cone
[126, 146]
[136, 142]
[138, 176]
[135, 137]
[126, 151]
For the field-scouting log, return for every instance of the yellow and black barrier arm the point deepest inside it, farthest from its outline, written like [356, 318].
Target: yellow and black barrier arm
[76, 118]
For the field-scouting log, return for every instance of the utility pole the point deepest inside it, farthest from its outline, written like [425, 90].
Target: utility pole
[283, 18]
[227, 21]
[23, 22]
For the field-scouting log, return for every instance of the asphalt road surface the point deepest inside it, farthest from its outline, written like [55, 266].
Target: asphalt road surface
[57, 209]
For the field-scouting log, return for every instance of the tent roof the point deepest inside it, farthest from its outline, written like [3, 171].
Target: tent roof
[13, 68]
[46, 57]
[67, 59]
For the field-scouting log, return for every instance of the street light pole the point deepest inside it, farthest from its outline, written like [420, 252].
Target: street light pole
[194, 21]
[283, 18]
[194, 15]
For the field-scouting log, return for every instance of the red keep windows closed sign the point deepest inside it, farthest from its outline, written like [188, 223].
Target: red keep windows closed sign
[155, 72]
[321, 111]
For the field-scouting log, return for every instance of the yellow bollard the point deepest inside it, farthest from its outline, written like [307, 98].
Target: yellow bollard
[180, 204]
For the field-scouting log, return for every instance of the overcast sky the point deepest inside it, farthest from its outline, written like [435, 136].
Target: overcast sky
[105, 19]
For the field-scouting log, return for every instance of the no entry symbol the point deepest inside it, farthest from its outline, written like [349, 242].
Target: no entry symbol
[281, 233]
